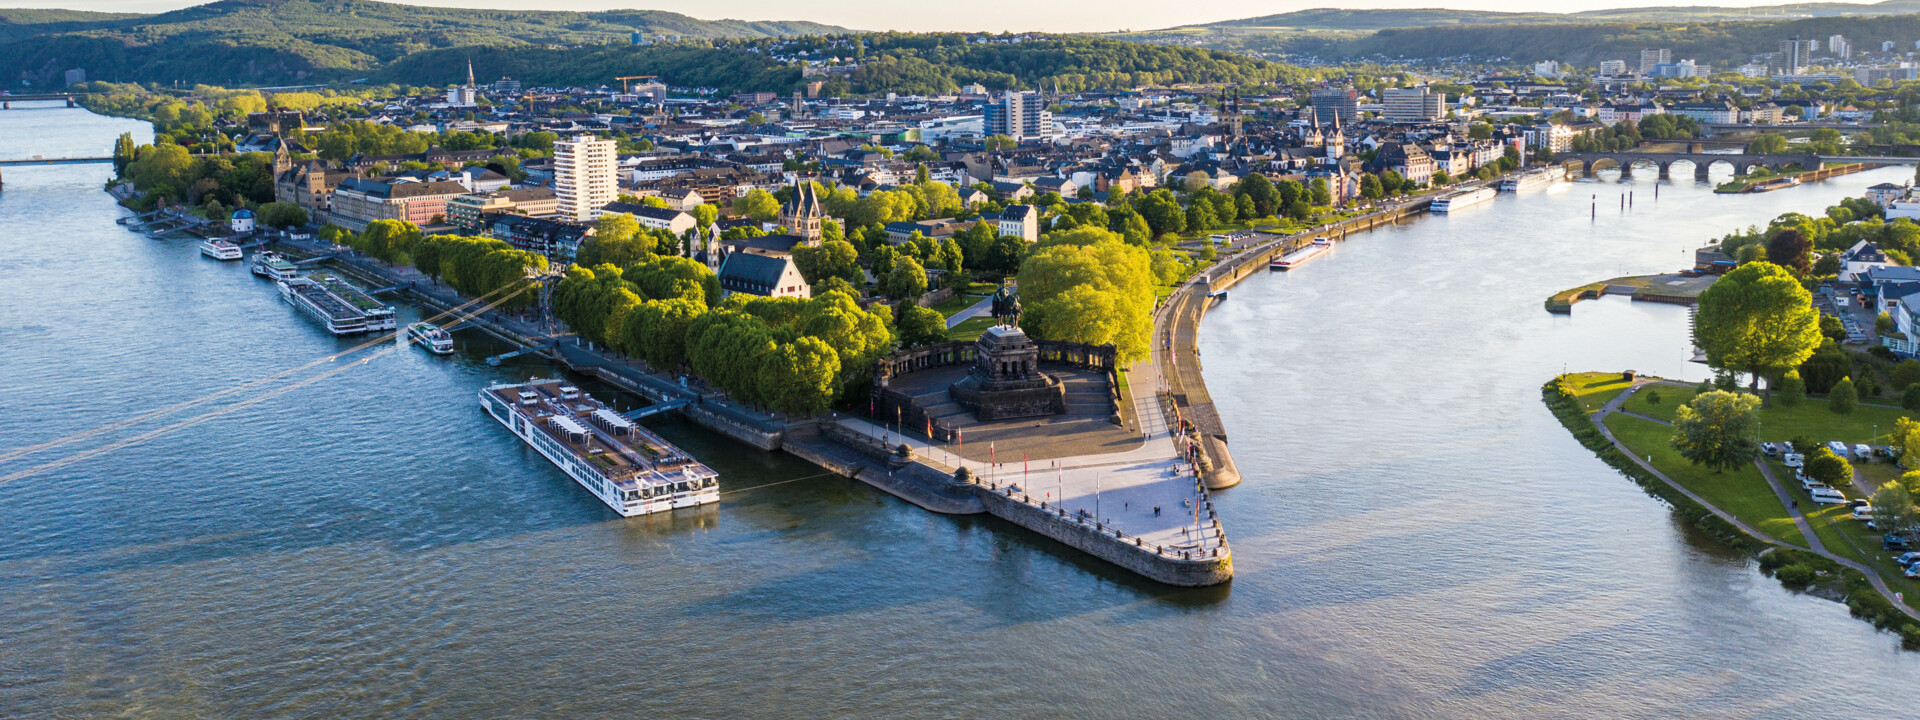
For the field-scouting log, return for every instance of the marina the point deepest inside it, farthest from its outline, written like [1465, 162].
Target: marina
[629, 468]
[1462, 199]
[1306, 254]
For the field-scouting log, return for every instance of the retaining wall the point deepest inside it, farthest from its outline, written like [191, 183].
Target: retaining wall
[1197, 572]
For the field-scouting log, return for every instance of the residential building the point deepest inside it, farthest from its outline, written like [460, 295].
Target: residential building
[677, 222]
[1720, 112]
[358, 201]
[1868, 76]
[1650, 58]
[1407, 159]
[557, 240]
[1018, 115]
[1764, 113]
[1414, 104]
[1548, 69]
[584, 176]
[467, 211]
[310, 185]
[1626, 112]
[1336, 104]
[1792, 57]
[1022, 221]
[1838, 46]
[1613, 67]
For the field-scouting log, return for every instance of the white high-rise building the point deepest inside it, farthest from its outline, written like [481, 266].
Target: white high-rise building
[1839, 47]
[1414, 104]
[1652, 57]
[585, 176]
[1613, 67]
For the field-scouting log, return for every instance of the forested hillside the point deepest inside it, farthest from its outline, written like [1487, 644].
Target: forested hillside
[889, 62]
[238, 42]
[1719, 43]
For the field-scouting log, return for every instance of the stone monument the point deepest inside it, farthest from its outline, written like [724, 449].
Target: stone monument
[1005, 380]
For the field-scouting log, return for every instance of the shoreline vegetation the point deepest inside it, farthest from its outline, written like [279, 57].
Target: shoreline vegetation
[1574, 400]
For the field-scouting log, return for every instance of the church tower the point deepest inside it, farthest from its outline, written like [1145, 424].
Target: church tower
[801, 215]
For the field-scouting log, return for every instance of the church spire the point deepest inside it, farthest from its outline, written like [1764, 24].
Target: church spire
[469, 72]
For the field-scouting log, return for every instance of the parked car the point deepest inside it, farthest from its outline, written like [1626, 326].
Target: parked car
[1838, 448]
[1770, 448]
[1864, 512]
[1893, 541]
[1913, 571]
[1863, 452]
[1810, 485]
[1906, 559]
[1793, 460]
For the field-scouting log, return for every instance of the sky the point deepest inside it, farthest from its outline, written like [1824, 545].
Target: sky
[989, 15]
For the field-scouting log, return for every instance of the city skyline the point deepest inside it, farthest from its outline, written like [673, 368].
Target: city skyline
[990, 15]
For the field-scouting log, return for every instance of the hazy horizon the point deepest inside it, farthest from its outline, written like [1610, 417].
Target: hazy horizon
[988, 15]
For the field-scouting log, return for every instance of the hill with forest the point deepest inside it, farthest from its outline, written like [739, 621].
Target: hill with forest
[1367, 19]
[1722, 44]
[256, 42]
[905, 63]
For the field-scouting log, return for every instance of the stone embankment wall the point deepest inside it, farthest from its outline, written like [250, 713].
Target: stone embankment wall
[1214, 568]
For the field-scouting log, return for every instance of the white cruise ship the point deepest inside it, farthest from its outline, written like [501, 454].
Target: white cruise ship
[272, 266]
[632, 470]
[221, 250]
[434, 338]
[1533, 179]
[1462, 199]
[337, 304]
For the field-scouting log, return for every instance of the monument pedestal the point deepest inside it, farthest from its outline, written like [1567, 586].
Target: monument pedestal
[1005, 380]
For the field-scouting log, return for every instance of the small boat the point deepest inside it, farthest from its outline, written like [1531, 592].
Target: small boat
[221, 250]
[1302, 256]
[431, 337]
[272, 266]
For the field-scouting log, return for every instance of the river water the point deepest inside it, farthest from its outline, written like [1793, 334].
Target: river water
[1416, 536]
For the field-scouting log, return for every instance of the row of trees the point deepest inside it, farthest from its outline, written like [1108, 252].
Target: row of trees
[793, 355]
[475, 266]
[166, 171]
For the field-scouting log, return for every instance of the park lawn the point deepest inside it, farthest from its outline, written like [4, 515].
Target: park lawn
[969, 329]
[955, 304]
[1866, 424]
[1741, 492]
[1671, 398]
[1595, 389]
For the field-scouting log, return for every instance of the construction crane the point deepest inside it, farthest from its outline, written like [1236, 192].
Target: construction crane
[623, 81]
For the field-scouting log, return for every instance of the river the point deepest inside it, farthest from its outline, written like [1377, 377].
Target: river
[1416, 536]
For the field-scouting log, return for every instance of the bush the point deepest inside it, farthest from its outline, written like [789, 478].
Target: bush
[1904, 374]
[1653, 397]
[1794, 577]
[1867, 387]
[1911, 398]
[1843, 397]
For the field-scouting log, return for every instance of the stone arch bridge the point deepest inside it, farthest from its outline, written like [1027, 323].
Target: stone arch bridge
[1588, 163]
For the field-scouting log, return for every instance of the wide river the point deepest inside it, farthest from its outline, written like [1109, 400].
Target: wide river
[1416, 536]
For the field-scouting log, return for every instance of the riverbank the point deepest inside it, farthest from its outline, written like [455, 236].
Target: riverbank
[1768, 182]
[1734, 508]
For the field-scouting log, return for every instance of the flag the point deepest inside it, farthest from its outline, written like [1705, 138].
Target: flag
[929, 427]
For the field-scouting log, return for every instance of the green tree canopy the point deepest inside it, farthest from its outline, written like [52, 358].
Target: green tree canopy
[1718, 429]
[1757, 318]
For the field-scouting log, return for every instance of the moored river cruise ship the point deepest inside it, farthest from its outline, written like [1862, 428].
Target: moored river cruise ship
[629, 468]
[1463, 199]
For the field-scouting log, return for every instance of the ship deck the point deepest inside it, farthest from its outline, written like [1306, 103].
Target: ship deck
[639, 459]
[327, 303]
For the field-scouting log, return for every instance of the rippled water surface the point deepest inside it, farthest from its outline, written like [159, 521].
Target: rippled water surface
[1416, 536]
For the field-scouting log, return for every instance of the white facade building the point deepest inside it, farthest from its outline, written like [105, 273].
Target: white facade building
[584, 176]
